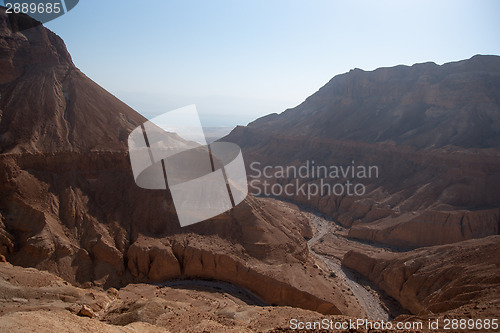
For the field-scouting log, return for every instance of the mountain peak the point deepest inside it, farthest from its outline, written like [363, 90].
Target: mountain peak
[34, 47]
[46, 103]
[424, 105]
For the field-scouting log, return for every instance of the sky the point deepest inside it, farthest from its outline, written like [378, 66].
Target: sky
[239, 60]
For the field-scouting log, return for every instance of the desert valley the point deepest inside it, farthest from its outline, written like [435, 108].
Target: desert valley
[84, 249]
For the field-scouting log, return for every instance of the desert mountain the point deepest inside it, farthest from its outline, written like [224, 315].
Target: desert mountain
[423, 106]
[433, 132]
[47, 104]
[69, 203]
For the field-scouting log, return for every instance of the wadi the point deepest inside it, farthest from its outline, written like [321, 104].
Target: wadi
[83, 248]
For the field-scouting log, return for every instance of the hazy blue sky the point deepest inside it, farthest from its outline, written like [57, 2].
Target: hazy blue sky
[238, 60]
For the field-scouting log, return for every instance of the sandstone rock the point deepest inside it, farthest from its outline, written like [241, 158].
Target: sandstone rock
[434, 279]
[51, 303]
[430, 228]
[113, 291]
[6, 240]
[151, 258]
[86, 311]
[86, 285]
[214, 259]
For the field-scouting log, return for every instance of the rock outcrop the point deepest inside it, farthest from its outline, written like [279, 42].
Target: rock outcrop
[33, 300]
[436, 279]
[429, 228]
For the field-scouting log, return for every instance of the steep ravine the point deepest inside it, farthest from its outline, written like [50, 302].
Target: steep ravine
[368, 301]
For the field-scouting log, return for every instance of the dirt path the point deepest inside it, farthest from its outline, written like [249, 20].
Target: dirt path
[370, 302]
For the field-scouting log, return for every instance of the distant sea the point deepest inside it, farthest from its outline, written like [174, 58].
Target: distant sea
[215, 133]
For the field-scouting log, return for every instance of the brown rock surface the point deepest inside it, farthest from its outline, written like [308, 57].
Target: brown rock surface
[47, 104]
[437, 279]
[424, 105]
[85, 311]
[270, 267]
[31, 300]
[429, 228]
[78, 236]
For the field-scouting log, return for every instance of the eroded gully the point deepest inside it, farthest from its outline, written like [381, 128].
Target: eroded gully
[368, 300]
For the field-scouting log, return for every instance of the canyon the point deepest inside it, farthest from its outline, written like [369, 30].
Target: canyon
[82, 246]
[69, 204]
[431, 131]
[425, 230]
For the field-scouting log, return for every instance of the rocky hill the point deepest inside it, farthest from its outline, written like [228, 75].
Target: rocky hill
[422, 106]
[47, 104]
[437, 279]
[432, 132]
[69, 203]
